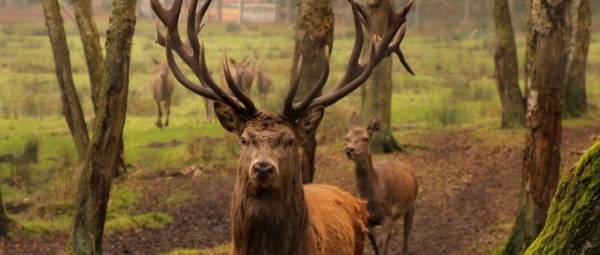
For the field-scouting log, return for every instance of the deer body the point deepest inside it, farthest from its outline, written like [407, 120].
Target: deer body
[162, 89]
[263, 82]
[390, 187]
[271, 211]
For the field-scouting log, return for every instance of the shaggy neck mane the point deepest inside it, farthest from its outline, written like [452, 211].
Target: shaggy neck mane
[269, 221]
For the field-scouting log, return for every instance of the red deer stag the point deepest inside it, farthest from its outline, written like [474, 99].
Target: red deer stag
[263, 82]
[390, 187]
[162, 89]
[271, 211]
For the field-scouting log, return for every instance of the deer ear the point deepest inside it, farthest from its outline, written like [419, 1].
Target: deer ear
[155, 61]
[375, 125]
[232, 61]
[308, 124]
[229, 119]
[354, 120]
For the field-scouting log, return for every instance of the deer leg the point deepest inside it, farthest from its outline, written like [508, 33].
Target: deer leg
[372, 239]
[384, 236]
[158, 122]
[208, 108]
[408, 219]
[168, 109]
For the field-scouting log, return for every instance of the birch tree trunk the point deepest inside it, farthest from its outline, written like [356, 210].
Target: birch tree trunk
[507, 69]
[97, 176]
[377, 90]
[541, 161]
[71, 107]
[581, 21]
[572, 226]
[314, 30]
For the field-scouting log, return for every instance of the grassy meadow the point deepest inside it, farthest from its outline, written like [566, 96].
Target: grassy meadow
[454, 87]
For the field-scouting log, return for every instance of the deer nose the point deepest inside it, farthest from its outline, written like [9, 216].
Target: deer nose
[349, 151]
[263, 171]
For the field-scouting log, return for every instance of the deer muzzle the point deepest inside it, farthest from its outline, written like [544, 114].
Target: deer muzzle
[262, 171]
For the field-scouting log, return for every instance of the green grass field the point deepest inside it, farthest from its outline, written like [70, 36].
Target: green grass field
[454, 88]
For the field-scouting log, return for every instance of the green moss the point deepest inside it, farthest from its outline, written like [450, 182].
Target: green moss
[571, 219]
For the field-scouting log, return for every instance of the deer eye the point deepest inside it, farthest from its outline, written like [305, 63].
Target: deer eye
[290, 142]
[365, 139]
[243, 140]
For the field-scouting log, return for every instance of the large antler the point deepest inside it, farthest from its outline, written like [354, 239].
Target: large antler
[192, 53]
[356, 72]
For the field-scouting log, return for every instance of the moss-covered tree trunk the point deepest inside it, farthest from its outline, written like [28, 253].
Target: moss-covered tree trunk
[541, 161]
[575, 102]
[71, 107]
[507, 69]
[90, 39]
[5, 221]
[96, 179]
[314, 30]
[377, 90]
[573, 224]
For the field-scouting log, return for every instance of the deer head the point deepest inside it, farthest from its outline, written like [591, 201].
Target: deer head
[270, 139]
[163, 68]
[358, 139]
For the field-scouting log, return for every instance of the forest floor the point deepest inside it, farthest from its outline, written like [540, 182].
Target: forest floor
[469, 181]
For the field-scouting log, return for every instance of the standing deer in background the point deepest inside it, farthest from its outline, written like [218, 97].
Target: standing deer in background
[263, 82]
[237, 74]
[162, 89]
[390, 187]
[271, 211]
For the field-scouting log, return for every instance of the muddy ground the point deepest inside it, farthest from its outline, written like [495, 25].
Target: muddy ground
[467, 198]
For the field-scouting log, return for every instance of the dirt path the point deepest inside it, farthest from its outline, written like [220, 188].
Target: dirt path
[467, 199]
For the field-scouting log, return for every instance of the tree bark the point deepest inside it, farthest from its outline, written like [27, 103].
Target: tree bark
[90, 39]
[91, 46]
[5, 220]
[572, 225]
[541, 161]
[507, 70]
[314, 30]
[377, 90]
[71, 108]
[575, 101]
[96, 179]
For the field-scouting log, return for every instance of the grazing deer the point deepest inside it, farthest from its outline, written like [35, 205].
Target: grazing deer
[162, 89]
[263, 82]
[390, 187]
[271, 211]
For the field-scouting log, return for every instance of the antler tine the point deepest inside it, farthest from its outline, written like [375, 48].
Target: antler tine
[160, 36]
[395, 48]
[235, 89]
[288, 105]
[207, 80]
[300, 107]
[181, 77]
[357, 74]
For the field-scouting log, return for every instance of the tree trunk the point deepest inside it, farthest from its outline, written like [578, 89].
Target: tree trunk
[377, 90]
[581, 21]
[542, 148]
[314, 30]
[91, 46]
[5, 220]
[94, 59]
[466, 14]
[97, 175]
[71, 108]
[507, 71]
[572, 226]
